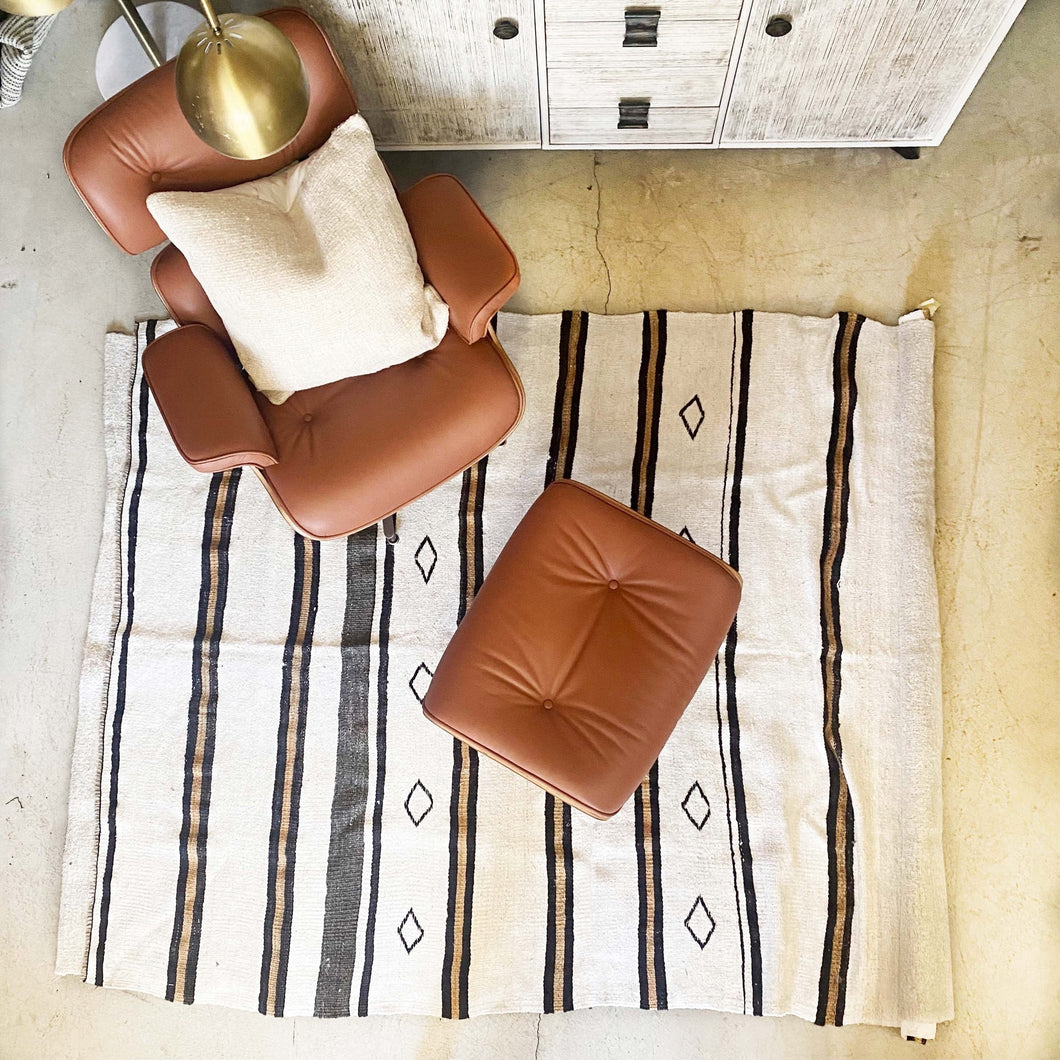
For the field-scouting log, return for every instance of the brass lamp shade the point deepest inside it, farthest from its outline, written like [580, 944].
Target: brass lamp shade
[33, 8]
[241, 85]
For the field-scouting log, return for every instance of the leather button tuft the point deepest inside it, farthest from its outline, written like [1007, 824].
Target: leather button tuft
[307, 418]
[547, 704]
[612, 584]
[156, 178]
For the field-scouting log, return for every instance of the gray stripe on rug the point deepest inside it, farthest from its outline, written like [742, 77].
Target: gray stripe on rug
[338, 949]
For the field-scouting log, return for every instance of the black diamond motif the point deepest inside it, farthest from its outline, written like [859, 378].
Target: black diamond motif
[699, 922]
[426, 557]
[696, 806]
[692, 416]
[686, 535]
[410, 934]
[419, 803]
[420, 681]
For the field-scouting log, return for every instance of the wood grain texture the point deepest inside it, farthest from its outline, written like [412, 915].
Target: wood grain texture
[583, 44]
[603, 10]
[433, 73]
[870, 71]
[666, 85]
[599, 126]
[542, 71]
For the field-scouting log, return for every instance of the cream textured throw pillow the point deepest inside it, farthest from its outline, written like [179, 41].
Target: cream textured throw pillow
[313, 269]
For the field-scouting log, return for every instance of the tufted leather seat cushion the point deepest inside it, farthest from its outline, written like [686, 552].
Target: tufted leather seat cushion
[583, 647]
[402, 430]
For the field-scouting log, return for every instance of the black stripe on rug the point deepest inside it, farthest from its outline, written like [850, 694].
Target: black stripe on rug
[202, 737]
[342, 902]
[290, 748]
[650, 958]
[739, 797]
[463, 803]
[385, 609]
[123, 661]
[649, 408]
[558, 973]
[717, 672]
[835, 961]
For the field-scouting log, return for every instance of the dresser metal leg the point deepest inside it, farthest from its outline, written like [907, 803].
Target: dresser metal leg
[907, 152]
[390, 529]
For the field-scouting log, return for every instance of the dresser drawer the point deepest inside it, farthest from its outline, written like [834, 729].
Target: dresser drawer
[599, 125]
[666, 85]
[605, 10]
[599, 44]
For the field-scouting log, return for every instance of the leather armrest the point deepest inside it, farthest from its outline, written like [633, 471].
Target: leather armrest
[462, 255]
[181, 292]
[207, 404]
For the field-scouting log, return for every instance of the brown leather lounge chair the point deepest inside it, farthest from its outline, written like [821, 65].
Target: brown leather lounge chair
[334, 458]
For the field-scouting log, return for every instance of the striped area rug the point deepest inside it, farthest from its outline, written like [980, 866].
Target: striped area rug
[261, 817]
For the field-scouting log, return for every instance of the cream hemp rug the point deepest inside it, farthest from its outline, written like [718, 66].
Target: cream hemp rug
[261, 817]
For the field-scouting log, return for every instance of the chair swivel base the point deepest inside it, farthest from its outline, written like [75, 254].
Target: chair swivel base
[390, 529]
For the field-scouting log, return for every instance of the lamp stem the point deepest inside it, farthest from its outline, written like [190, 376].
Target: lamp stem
[141, 32]
[211, 15]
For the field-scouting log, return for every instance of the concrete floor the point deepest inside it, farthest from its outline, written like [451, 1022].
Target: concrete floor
[973, 223]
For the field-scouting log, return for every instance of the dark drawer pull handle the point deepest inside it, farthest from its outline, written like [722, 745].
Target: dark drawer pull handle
[642, 27]
[633, 113]
[505, 28]
[778, 26]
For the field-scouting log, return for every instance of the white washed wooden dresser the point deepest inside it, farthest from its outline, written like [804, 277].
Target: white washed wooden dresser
[663, 73]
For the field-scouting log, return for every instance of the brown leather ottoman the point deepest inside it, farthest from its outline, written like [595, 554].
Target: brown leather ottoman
[583, 647]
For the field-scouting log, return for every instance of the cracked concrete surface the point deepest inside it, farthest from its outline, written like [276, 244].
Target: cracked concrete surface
[599, 207]
[973, 223]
